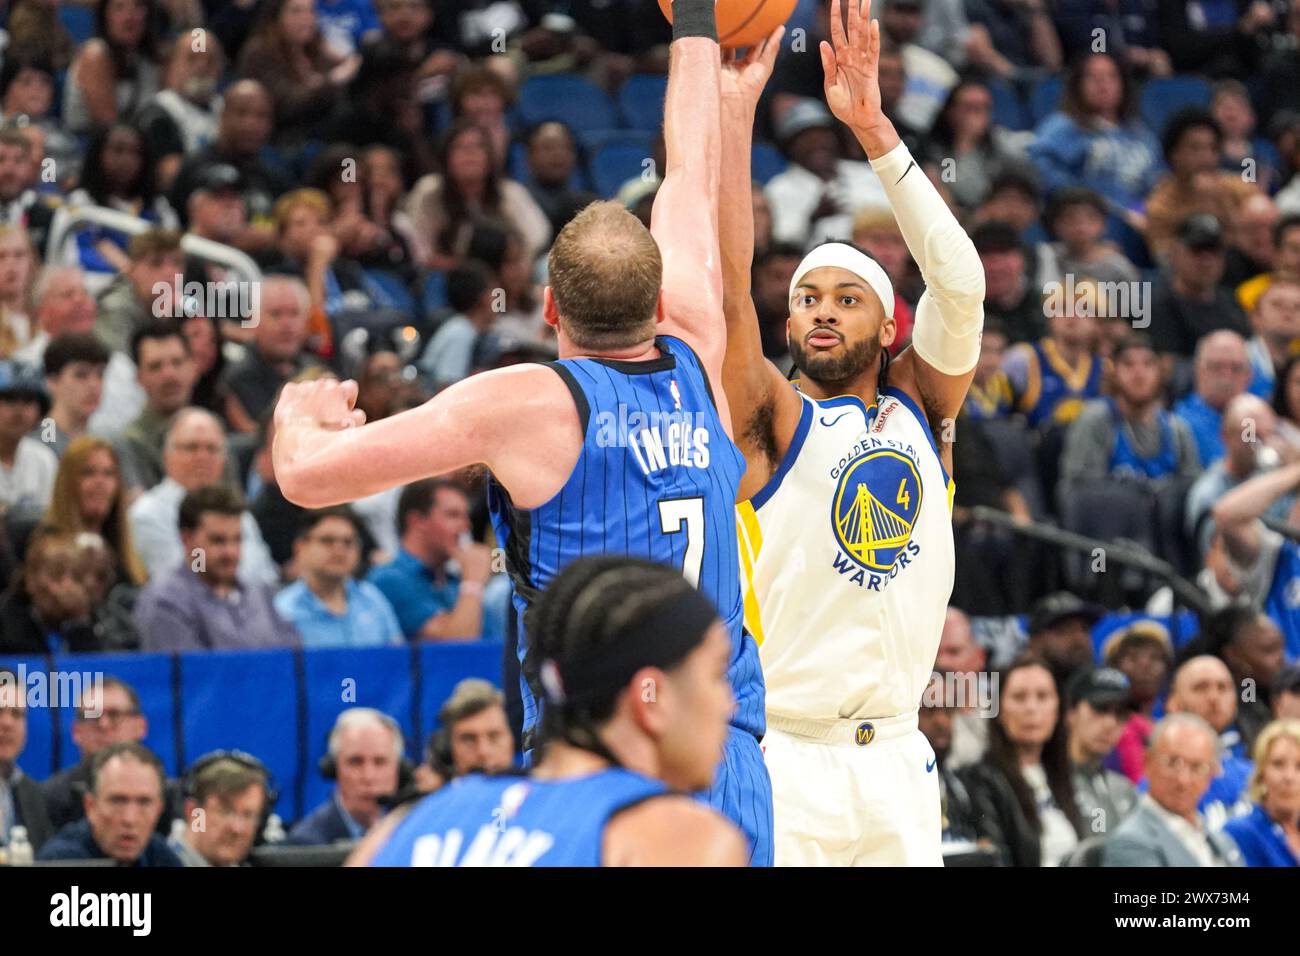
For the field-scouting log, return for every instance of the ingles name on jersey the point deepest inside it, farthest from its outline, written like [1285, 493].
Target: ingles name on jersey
[875, 506]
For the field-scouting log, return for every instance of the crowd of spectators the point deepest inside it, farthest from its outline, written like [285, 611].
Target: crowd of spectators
[397, 169]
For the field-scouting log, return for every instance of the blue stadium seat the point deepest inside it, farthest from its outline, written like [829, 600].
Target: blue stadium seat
[78, 21]
[765, 162]
[1162, 96]
[1009, 110]
[1044, 98]
[388, 291]
[641, 101]
[616, 162]
[517, 162]
[433, 292]
[566, 97]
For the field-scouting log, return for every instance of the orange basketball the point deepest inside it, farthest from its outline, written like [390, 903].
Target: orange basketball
[744, 23]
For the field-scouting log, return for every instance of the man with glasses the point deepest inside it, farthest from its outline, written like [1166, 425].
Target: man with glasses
[228, 792]
[201, 603]
[194, 455]
[107, 714]
[123, 806]
[1166, 829]
[1100, 702]
[328, 606]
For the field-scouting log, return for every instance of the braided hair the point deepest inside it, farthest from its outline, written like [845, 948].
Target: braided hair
[588, 605]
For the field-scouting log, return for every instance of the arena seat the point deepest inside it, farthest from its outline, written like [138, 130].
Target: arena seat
[641, 101]
[78, 21]
[566, 97]
[1162, 96]
[1087, 853]
[1044, 98]
[388, 291]
[616, 162]
[1009, 109]
[765, 162]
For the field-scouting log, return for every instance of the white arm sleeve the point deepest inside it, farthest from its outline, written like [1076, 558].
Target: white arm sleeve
[950, 314]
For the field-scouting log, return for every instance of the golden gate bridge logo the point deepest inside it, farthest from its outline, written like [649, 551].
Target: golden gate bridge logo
[876, 505]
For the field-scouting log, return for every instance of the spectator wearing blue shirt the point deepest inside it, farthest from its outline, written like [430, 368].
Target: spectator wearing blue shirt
[123, 805]
[1221, 370]
[434, 601]
[328, 606]
[345, 23]
[1095, 139]
[1270, 834]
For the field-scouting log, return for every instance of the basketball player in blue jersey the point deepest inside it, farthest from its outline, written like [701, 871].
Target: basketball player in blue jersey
[845, 507]
[614, 757]
[621, 447]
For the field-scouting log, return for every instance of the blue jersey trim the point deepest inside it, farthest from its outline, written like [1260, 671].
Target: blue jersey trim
[910, 404]
[791, 453]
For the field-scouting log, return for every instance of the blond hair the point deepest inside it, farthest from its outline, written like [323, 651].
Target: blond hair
[1284, 728]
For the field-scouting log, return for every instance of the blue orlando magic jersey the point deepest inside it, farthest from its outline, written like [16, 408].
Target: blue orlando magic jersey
[515, 821]
[656, 479]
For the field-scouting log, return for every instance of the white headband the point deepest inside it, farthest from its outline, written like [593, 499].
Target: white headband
[845, 257]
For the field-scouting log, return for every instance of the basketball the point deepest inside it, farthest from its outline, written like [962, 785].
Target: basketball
[744, 23]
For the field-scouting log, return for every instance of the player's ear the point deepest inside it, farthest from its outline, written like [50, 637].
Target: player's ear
[888, 331]
[646, 694]
[549, 312]
[660, 314]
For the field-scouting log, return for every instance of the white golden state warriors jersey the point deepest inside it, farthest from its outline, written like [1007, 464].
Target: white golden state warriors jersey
[847, 561]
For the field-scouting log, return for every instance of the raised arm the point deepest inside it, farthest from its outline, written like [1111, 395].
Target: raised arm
[938, 368]
[684, 221]
[1237, 513]
[520, 422]
[764, 408]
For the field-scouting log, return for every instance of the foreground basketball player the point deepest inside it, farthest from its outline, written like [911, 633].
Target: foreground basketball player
[848, 549]
[605, 630]
[617, 448]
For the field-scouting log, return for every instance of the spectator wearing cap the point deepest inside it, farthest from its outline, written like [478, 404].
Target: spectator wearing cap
[328, 606]
[1010, 296]
[276, 354]
[1022, 790]
[1285, 264]
[123, 806]
[216, 207]
[1203, 686]
[818, 194]
[1248, 435]
[194, 455]
[1275, 318]
[448, 357]
[1192, 142]
[937, 720]
[1060, 634]
[1270, 834]
[243, 131]
[1221, 372]
[1076, 219]
[1095, 138]
[1165, 828]
[61, 305]
[200, 603]
[1100, 702]
[1286, 693]
[552, 162]
[1250, 644]
[21, 801]
[181, 118]
[1188, 302]
[74, 375]
[1142, 652]
[226, 799]
[27, 467]
[165, 370]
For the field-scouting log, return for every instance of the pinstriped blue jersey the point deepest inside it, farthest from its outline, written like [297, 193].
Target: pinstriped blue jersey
[656, 479]
[515, 821]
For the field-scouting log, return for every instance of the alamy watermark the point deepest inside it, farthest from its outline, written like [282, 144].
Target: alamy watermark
[1093, 299]
[225, 299]
[39, 689]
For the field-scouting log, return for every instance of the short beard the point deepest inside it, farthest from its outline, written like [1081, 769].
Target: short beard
[826, 370]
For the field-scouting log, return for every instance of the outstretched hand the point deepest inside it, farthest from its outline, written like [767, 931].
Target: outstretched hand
[851, 62]
[743, 79]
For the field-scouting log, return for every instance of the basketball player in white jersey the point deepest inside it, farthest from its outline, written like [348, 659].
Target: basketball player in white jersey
[846, 528]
